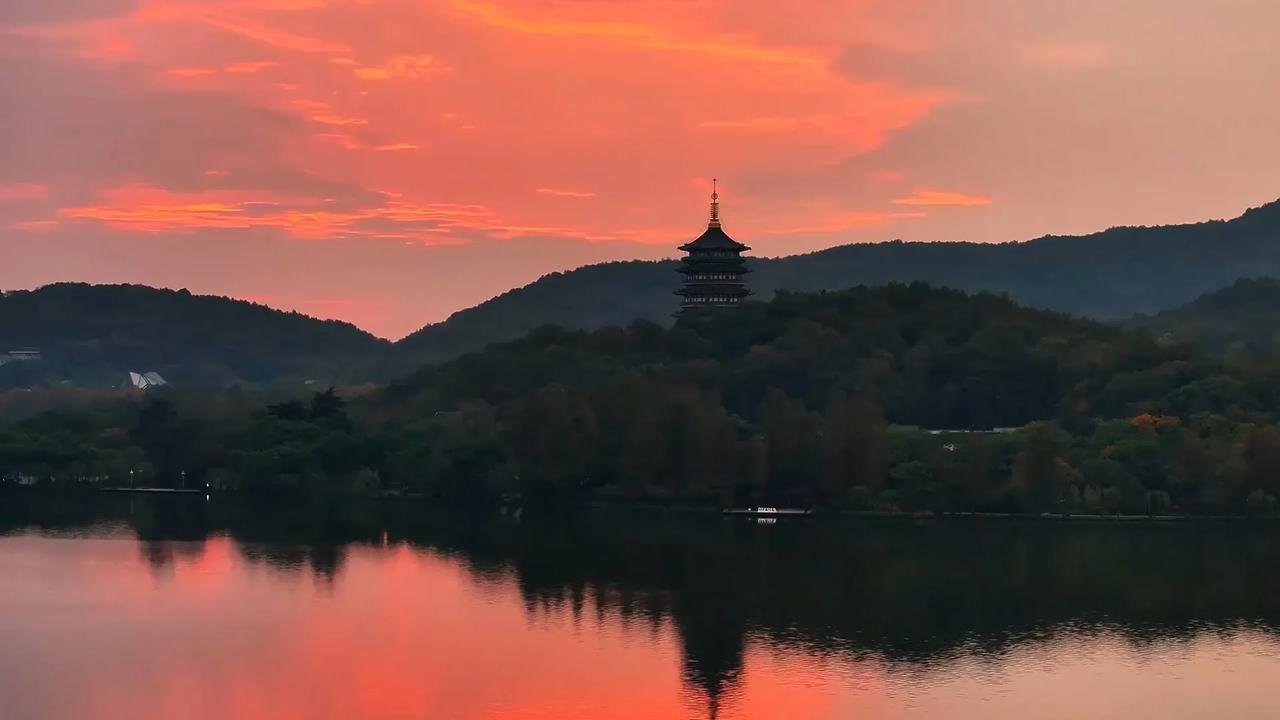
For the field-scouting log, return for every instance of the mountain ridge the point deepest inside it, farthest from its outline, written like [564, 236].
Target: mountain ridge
[89, 333]
[1112, 274]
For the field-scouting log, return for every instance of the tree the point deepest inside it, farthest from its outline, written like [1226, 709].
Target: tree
[1040, 470]
[328, 405]
[1262, 455]
[553, 436]
[792, 436]
[853, 448]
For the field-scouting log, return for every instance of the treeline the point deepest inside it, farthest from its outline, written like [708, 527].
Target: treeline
[899, 398]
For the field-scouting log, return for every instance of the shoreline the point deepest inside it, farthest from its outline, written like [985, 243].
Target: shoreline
[810, 514]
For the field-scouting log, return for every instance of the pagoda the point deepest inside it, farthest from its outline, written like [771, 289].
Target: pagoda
[713, 267]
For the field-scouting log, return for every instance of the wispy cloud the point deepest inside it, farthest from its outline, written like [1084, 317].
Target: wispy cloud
[190, 72]
[148, 209]
[943, 198]
[412, 67]
[323, 113]
[565, 192]
[249, 68]
[217, 17]
[643, 35]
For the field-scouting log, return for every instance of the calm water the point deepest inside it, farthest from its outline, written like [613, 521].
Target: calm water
[164, 609]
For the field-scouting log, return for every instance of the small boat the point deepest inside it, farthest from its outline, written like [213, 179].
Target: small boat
[766, 511]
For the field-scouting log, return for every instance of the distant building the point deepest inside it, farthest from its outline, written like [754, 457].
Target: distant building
[144, 381]
[713, 267]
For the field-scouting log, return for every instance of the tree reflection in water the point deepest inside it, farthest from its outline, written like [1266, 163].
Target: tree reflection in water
[908, 594]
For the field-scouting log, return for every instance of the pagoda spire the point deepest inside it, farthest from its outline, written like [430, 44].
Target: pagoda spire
[715, 206]
[713, 266]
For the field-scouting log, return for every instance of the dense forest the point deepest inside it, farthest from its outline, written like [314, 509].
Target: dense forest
[95, 334]
[901, 398]
[1244, 317]
[1109, 275]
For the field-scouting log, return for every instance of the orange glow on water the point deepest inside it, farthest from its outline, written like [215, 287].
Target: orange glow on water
[109, 628]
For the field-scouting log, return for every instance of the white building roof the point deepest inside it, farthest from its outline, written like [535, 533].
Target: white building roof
[145, 380]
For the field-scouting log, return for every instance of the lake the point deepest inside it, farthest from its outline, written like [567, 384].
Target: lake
[117, 606]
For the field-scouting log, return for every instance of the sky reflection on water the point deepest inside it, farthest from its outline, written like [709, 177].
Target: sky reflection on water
[448, 618]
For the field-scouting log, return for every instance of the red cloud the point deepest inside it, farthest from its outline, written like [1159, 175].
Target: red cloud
[944, 198]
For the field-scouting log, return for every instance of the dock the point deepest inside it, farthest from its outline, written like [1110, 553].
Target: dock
[767, 512]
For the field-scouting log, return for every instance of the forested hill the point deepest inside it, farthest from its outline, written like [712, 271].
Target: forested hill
[1108, 275]
[788, 400]
[926, 356]
[1242, 317]
[95, 334]
[808, 400]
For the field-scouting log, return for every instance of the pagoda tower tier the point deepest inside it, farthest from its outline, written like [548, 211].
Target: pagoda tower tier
[713, 267]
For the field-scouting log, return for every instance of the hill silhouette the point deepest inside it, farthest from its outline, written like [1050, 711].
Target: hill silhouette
[1242, 317]
[1111, 274]
[95, 334]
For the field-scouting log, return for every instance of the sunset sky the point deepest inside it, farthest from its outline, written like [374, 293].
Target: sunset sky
[390, 161]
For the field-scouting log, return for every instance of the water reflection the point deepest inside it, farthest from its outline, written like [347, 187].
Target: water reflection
[447, 614]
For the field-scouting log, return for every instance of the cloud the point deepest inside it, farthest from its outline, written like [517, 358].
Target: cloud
[345, 141]
[214, 16]
[308, 110]
[249, 68]
[189, 72]
[323, 113]
[411, 67]
[943, 198]
[22, 192]
[77, 127]
[643, 35]
[42, 12]
[150, 209]
[564, 192]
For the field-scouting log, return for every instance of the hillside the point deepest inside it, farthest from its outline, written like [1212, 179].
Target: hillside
[1242, 317]
[1107, 275]
[867, 398]
[95, 334]
[927, 356]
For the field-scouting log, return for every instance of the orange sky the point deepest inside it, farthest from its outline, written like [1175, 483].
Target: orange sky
[391, 161]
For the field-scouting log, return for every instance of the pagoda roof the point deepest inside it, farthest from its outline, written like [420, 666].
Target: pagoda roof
[714, 238]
